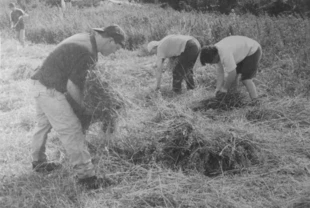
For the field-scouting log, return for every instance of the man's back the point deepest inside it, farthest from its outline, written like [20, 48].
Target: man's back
[70, 60]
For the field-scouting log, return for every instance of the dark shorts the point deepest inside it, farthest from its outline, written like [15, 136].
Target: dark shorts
[248, 67]
[183, 70]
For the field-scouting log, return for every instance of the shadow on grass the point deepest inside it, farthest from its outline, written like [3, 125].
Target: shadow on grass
[226, 103]
[180, 146]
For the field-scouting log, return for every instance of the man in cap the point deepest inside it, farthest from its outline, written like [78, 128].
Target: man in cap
[234, 55]
[17, 22]
[63, 75]
[183, 50]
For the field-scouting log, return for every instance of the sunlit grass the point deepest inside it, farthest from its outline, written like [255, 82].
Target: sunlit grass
[278, 128]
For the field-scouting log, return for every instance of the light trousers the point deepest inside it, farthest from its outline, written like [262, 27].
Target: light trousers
[53, 111]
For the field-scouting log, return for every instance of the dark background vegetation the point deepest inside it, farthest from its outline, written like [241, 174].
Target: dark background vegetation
[163, 154]
[271, 7]
[257, 7]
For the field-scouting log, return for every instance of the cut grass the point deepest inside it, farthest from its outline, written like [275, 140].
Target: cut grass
[162, 153]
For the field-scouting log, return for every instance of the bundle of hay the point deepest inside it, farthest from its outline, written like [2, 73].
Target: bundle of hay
[101, 100]
[263, 114]
[229, 101]
[183, 146]
[288, 113]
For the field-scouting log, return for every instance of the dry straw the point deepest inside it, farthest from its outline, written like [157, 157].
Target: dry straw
[180, 145]
[102, 100]
[231, 100]
[288, 113]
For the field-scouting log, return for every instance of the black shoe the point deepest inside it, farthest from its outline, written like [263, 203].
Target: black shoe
[94, 182]
[45, 167]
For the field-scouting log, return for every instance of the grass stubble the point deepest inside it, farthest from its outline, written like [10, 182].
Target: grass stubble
[162, 153]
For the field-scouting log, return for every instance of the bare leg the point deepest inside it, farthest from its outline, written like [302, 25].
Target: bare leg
[249, 84]
[235, 84]
[21, 37]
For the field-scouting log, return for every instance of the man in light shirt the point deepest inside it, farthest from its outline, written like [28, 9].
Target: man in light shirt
[234, 55]
[183, 50]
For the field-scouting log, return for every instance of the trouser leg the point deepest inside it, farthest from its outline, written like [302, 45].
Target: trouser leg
[43, 127]
[177, 78]
[67, 125]
[187, 61]
[22, 37]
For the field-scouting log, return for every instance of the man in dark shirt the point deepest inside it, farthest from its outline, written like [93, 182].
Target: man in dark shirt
[64, 72]
[17, 22]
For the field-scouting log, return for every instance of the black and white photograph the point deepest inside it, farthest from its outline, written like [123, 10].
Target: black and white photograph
[155, 103]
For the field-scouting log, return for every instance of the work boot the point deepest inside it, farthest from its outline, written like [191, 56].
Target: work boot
[45, 166]
[94, 183]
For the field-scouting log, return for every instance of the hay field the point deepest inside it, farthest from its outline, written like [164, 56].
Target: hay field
[164, 154]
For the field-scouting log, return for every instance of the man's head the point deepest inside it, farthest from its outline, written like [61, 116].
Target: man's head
[152, 46]
[209, 55]
[12, 6]
[109, 39]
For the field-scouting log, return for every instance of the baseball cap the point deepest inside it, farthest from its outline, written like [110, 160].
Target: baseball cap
[114, 31]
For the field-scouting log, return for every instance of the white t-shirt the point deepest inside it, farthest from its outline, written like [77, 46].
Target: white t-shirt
[173, 45]
[234, 49]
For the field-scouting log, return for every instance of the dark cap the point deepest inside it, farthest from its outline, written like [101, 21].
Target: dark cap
[114, 31]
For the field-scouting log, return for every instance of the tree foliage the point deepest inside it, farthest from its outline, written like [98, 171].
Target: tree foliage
[273, 7]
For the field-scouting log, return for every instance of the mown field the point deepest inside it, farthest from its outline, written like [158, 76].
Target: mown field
[163, 153]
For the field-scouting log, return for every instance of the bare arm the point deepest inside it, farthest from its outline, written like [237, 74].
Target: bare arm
[197, 63]
[75, 92]
[230, 79]
[159, 72]
[220, 77]
[11, 22]
[19, 19]
[24, 15]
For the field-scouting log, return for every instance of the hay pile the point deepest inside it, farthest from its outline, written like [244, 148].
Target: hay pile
[183, 147]
[212, 154]
[229, 101]
[288, 113]
[101, 100]
[23, 71]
